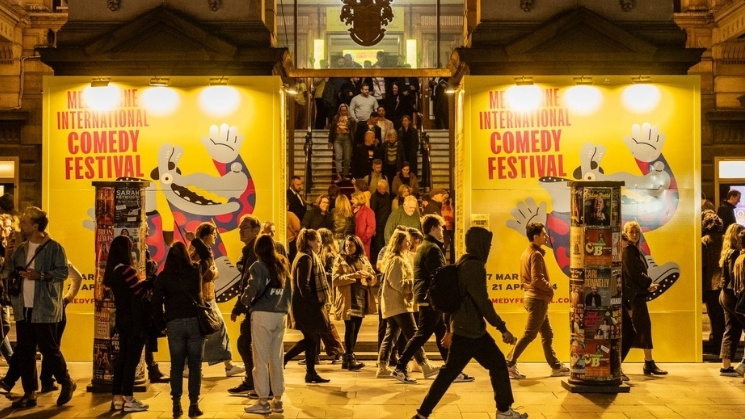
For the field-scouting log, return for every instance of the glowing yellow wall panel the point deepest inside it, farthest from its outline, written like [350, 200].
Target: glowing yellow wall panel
[211, 153]
[517, 165]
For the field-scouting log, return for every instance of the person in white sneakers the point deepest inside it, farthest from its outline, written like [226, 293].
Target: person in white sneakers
[538, 294]
[467, 337]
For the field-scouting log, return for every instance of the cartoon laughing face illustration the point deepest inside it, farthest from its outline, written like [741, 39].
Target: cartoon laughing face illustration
[199, 197]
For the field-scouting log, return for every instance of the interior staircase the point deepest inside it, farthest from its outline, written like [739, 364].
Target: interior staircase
[322, 160]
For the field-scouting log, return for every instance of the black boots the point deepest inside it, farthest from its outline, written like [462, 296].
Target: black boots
[350, 363]
[312, 377]
[650, 368]
[195, 411]
[155, 375]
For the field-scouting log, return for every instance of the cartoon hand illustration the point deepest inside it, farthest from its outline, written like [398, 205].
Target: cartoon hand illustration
[224, 143]
[90, 222]
[590, 162]
[527, 212]
[645, 142]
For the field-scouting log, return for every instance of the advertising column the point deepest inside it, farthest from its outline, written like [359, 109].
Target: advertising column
[119, 210]
[595, 287]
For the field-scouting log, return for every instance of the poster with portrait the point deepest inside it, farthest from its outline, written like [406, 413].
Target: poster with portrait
[597, 358]
[597, 204]
[597, 287]
[598, 246]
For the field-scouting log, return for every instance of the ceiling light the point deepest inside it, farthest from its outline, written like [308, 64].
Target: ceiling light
[160, 81]
[100, 81]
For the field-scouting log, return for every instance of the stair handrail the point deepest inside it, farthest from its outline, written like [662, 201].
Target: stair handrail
[425, 147]
[308, 149]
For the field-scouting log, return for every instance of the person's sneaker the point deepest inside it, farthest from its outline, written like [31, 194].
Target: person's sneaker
[428, 370]
[241, 389]
[383, 372]
[739, 369]
[562, 371]
[259, 408]
[336, 359]
[276, 406]
[511, 414]
[403, 377]
[65, 395]
[464, 378]
[134, 405]
[515, 373]
[24, 402]
[728, 372]
[234, 369]
[117, 404]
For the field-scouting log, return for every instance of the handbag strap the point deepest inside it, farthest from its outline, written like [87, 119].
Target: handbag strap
[38, 250]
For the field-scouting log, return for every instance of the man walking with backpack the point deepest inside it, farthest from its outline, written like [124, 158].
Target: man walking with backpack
[538, 294]
[429, 257]
[467, 337]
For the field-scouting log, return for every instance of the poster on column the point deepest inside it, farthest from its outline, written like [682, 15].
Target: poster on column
[524, 143]
[212, 154]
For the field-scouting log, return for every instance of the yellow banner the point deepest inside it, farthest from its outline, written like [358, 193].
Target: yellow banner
[211, 153]
[521, 144]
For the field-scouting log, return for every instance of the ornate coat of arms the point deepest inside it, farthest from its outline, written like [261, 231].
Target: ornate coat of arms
[367, 18]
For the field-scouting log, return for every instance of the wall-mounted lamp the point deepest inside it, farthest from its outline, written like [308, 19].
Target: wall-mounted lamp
[218, 81]
[449, 91]
[160, 81]
[642, 79]
[100, 81]
[289, 90]
[524, 81]
[582, 80]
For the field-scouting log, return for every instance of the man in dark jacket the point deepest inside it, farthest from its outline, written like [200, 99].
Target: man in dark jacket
[429, 256]
[726, 211]
[467, 337]
[380, 203]
[295, 199]
[248, 229]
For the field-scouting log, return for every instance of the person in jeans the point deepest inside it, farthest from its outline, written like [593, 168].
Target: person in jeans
[217, 345]
[38, 307]
[467, 337]
[176, 289]
[129, 294]
[397, 303]
[429, 256]
[538, 294]
[268, 298]
[340, 140]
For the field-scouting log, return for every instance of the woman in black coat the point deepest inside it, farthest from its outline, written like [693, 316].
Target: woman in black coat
[319, 216]
[309, 297]
[409, 137]
[638, 285]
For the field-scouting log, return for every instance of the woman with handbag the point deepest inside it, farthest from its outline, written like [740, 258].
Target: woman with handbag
[397, 304]
[217, 345]
[309, 297]
[177, 289]
[635, 278]
[129, 291]
[353, 277]
[267, 297]
[733, 322]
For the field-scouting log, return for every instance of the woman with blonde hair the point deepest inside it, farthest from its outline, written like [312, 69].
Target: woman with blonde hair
[640, 285]
[343, 219]
[397, 303]
[353, 278]
[731, 248]
[401, 193]
[364, 221]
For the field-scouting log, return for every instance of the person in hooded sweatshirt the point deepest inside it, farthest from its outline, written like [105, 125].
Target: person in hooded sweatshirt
[467, 337]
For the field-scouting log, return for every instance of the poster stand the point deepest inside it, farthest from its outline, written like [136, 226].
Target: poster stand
[119, 210]
[595, 288]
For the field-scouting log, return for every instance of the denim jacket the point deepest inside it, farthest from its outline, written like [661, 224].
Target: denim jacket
[47, 295]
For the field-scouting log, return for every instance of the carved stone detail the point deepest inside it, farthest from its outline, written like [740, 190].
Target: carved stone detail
[215, 5]
[367, 19]
[627, 5]
[526, 5]
[114, 5]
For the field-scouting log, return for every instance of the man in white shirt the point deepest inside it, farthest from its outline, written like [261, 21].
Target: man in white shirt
[362, 105]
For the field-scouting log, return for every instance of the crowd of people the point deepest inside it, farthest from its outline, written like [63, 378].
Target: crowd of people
[723, 280]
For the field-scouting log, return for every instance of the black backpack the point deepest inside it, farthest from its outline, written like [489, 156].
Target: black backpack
[444, 291]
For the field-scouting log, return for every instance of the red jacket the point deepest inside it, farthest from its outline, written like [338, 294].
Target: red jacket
[364, 226]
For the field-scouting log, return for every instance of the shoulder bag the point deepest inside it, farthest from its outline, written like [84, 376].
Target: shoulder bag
[209, 322]
[15, 280]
